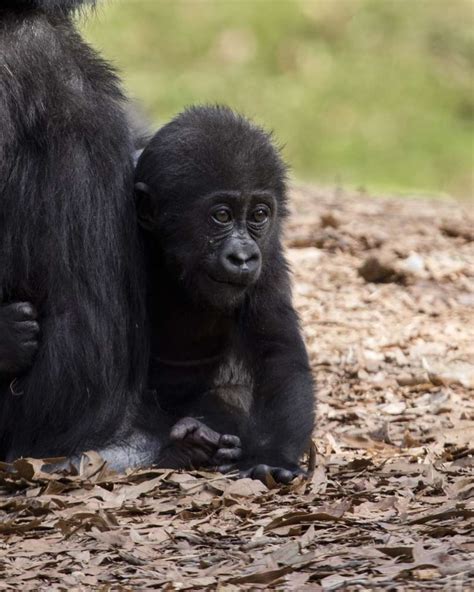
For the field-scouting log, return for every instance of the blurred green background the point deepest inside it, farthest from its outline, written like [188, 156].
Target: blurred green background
[371, 93]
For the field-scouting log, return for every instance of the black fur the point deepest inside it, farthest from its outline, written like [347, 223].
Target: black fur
[68, 241]
[19, 331]
[52, 6]
[226, 345]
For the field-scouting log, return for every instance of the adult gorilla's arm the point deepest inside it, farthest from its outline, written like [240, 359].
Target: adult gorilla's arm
[68, 242]
[19, 327]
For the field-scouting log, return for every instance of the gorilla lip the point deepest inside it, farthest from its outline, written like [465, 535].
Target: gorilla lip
[242, 284]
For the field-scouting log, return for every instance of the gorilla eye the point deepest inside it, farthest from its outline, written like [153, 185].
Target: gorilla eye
[222, 216]
[260, 215]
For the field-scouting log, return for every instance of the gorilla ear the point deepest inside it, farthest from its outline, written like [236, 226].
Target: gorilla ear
[146, 206]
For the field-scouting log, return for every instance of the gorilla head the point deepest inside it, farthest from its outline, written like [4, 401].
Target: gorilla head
[211, 191]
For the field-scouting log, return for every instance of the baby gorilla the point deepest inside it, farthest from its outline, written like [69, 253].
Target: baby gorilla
[228, 362]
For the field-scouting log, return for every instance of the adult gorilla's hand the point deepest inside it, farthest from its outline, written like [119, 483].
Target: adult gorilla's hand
[19, 333]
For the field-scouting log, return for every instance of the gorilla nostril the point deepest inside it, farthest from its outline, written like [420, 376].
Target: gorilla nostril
[236, 259]
[233, 259]
[242, 260]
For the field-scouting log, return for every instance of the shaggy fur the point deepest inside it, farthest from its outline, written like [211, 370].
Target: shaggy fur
[228, 352]
[68, 241]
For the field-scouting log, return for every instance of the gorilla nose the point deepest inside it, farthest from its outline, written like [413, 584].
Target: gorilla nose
[242, 260]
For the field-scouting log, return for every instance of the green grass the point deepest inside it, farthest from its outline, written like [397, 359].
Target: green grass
[377, 93]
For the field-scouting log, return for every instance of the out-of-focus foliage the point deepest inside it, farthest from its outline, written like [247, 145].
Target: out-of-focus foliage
[369, 92]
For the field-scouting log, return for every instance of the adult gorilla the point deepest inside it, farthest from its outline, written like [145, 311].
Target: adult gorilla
[68, 241]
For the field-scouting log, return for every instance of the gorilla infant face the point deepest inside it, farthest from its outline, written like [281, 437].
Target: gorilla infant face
[217, 244]
[237, 224]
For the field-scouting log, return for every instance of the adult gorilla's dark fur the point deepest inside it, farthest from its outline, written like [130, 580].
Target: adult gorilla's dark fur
[67, 237]
[228, 361]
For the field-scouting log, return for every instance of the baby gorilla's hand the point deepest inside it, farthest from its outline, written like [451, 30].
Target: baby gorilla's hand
[19, 332]
[196, 445]
[278, 474]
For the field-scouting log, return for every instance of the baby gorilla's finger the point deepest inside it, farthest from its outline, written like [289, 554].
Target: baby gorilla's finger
[183, 428]
[256, 472]
[282, 475]
[228, 454]
[227, 468]
[206, 437]
[278, 474]
[229, 441]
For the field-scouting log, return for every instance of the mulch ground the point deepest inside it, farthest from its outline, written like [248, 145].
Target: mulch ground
[385, 290]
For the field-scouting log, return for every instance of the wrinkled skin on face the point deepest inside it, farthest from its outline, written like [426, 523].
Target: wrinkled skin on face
[228, 232]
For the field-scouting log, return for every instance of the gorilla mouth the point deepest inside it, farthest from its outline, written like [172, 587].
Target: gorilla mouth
[236, 283]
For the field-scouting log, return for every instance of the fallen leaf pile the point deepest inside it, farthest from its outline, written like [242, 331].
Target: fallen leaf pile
[385, 292]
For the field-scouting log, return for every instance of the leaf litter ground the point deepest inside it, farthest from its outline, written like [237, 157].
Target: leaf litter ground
[385, 291]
